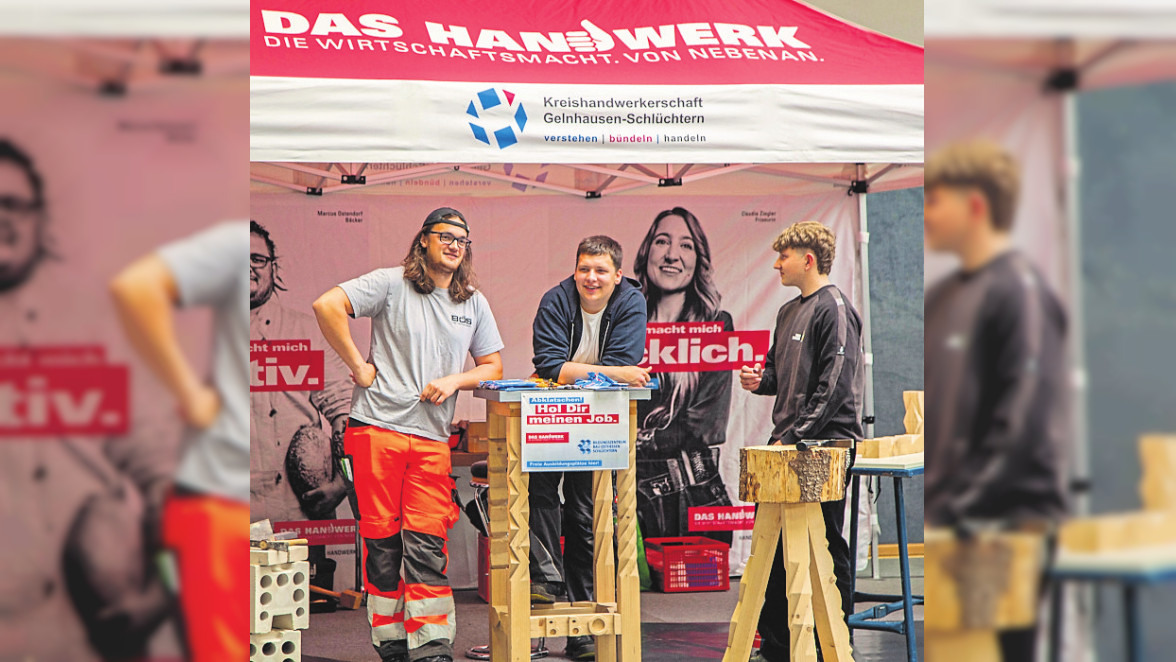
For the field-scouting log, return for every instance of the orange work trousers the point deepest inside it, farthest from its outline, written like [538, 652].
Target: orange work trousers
[209, 536]
[406, 508]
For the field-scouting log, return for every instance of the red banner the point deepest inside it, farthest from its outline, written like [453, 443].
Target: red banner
[285, 365]
[321, 531]
[548, 438]
[641, 43]
[702, 347]
[57, 390]
[722, 518]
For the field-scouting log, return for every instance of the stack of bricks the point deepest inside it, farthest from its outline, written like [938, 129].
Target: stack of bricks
[279, 595]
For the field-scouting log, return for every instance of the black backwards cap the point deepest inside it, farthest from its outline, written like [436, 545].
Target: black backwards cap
[445, 215]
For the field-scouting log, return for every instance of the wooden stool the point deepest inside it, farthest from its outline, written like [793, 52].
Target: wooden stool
[789, 486]
[614, 618]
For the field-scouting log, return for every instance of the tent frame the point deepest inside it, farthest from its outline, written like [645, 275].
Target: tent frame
[636, 176]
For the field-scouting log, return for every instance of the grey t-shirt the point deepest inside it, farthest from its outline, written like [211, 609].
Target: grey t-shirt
[211, 269]
[416, 338]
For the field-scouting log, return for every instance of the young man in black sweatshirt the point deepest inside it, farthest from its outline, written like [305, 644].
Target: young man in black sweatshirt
[815, 370]
[592, 321]
[995, 362]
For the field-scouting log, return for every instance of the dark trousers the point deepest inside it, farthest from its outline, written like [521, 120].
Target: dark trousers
[773, 620]
[572, 568]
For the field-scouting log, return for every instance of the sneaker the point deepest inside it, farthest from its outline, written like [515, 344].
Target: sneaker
[544, 593]
[581, 648]
[436, 658]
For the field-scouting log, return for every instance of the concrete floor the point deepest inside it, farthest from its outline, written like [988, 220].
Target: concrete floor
[675, 627]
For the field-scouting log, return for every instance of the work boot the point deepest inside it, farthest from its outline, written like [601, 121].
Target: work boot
[581, 648]
[545, 593]
[393, 651]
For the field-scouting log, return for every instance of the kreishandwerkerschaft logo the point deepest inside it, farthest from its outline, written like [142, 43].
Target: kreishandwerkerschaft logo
[498, 117]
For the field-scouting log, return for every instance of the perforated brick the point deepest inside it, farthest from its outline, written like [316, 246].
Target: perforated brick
[280, 597]
[276, 646]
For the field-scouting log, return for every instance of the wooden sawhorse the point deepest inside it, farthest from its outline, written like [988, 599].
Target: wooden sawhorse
[614, 618]
[789, 486]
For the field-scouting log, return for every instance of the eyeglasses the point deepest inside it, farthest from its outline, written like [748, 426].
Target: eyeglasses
[258, 260]
[448, 239]
[19, 205]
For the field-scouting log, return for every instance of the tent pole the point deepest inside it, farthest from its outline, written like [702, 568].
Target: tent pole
[1081, 467]
[863, 246]
[863, 252]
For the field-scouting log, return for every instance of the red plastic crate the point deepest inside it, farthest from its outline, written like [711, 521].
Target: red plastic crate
[685, 564]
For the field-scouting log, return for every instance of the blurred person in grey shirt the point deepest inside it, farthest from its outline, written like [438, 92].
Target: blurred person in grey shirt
[206, 516]
[995, 362]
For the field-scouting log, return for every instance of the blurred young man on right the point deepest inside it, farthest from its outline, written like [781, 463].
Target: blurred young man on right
[995, 362]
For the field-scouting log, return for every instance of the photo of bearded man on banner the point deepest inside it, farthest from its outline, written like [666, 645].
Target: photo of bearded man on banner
[293, 472]
[683, 425]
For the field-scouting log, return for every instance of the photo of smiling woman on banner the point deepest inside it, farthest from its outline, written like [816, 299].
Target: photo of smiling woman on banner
[682, 427]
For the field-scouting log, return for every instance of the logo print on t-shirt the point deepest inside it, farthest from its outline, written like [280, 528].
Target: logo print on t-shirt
[462, 319]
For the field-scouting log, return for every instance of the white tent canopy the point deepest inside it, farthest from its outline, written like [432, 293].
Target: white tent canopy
[221, 19]
[608, 101]
[758, 81]
[1049, 19]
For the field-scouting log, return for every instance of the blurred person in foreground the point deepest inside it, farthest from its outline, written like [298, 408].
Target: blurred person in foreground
[815, 370]
[206, 516]
[79, 509]
[427, 317]
[995, 362]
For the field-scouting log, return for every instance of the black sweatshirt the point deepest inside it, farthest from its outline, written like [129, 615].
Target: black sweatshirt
[815, 369]
[996, 374]
[558, 325]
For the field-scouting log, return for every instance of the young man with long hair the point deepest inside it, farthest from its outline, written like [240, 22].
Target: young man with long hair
[427, 314]
[816, 371]
[683, 424]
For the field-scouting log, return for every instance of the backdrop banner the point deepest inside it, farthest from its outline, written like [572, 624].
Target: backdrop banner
[705, 261]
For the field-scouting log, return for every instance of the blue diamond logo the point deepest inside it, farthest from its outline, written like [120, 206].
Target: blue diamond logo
[521, 117]
[480, 133]
[489, 98]
[506, 137]
[471, 110]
